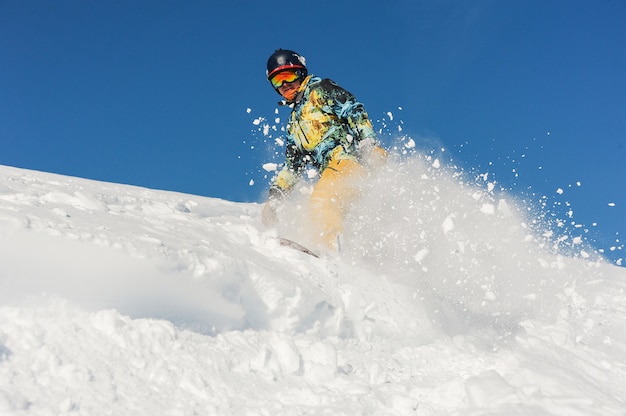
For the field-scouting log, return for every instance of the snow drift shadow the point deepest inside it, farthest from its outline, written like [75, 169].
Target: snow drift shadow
[96, 278]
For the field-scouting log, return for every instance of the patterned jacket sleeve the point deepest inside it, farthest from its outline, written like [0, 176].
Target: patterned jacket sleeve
[288, 175]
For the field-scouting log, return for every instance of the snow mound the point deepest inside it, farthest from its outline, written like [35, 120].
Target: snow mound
[123, 300]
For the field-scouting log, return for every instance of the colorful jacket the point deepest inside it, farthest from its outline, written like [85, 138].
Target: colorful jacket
[326, 122]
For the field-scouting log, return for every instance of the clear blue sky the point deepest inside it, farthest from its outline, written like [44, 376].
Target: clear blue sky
[154, 93]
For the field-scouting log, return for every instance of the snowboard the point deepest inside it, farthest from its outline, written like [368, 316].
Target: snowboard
[289, 243]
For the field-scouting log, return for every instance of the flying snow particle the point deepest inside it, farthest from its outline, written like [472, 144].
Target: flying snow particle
[448, 224]
[251, 183]
[436, 164]
[410, 144]
[311, 173]
[421, 255]
[612, 204]
[248, 110]
[559, 191]
[488, 209]
[270, 167]
[503, 207]
[390, 115]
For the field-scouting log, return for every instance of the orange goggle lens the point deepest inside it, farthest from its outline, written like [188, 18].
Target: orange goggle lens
[286, 76]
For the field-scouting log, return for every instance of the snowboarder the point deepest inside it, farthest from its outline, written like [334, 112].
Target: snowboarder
[328, 129]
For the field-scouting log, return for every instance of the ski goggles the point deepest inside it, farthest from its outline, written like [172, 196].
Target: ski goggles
[286, 76]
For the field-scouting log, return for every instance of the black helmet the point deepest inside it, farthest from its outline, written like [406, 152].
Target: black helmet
[284, 59]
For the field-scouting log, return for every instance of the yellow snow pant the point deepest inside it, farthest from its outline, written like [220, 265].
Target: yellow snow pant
[331, 196]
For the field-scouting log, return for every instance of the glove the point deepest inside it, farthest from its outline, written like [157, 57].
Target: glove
[269, 215]
[372, 155]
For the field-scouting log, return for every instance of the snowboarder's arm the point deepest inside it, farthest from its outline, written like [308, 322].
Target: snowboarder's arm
[288, 175]
[283, 182]
[346, 107]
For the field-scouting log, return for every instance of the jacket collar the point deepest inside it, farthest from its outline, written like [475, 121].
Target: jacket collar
[301, 90]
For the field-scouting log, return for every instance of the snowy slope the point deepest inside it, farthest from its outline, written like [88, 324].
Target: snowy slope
[118, 300]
